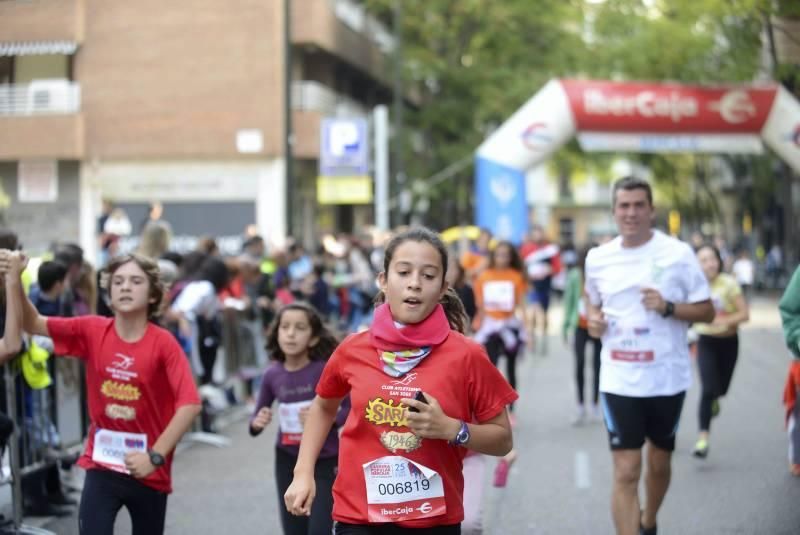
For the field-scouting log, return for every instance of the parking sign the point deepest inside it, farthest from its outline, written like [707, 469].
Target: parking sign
[344, 149]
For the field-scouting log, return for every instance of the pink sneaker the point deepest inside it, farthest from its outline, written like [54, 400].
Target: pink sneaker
[501, 473]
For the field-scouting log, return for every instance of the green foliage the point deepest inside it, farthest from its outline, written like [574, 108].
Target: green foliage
[475, 62]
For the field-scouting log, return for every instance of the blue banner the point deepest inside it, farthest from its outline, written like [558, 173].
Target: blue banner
[500, 200]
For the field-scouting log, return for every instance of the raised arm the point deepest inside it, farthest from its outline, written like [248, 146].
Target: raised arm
[11, 267]
[32, 321]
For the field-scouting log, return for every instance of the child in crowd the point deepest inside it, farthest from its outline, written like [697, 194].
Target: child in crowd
[300, 345]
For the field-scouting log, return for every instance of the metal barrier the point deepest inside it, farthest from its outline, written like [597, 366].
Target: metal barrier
[24, 447]
[242, 357]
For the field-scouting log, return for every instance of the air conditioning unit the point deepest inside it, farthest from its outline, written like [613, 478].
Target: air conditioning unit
[50, 96]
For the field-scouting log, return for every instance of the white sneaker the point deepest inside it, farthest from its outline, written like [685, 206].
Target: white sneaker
[596, 415]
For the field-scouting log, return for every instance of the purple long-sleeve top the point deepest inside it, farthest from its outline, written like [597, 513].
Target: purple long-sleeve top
[291, 387]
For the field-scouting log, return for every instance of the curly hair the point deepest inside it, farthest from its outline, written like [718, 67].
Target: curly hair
[326, 341]
[150, 268]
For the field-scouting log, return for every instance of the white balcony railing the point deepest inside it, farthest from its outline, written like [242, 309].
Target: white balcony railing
[40, 97]
[354, 16]
[308, 95]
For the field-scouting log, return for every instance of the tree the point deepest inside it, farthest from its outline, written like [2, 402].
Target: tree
[475, 63]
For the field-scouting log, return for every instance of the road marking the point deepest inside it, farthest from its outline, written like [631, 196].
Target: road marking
[583, 479]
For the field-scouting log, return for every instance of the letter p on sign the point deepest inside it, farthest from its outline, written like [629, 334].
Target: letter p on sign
[343, 138]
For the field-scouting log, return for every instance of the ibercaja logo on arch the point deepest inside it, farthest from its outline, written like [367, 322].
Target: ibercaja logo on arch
[536, 136]
[794, 136]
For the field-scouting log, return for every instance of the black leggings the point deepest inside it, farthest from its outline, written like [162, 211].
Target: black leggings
[581, 338]
[716, 359]
[394, 529]
[495, 348]
[104, 494]
[320, 522]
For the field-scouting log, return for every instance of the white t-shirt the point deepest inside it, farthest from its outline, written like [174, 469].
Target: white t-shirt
[644, 355]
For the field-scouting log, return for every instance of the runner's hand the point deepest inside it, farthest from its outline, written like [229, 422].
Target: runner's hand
[5, 261]
[597, 324]
[18, 263]
[138, 464]
[300, 495]
[262, 419]
[430, 421]
[652, 300]
[303, 414]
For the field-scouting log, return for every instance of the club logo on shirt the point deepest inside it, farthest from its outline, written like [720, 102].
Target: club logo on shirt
[381, 412]
[114, 390]
[407, 380]
[394, 441]
[120, 367]
[123, 361]
[120, 412]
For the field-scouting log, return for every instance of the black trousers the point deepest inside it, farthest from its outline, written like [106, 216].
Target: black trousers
[495, 348]
[104, 494]
[320, 522]
[716, 360]
[581, 339]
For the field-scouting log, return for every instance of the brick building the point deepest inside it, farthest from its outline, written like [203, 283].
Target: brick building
[180, 102]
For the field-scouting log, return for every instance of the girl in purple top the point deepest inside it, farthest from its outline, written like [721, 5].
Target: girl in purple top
[300, 344]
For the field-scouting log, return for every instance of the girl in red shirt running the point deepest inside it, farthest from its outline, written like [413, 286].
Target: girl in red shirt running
[141, 394]
[414, 383]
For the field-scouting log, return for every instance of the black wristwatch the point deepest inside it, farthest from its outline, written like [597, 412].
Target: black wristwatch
[462, 437]
[669, 309]
[156, 458]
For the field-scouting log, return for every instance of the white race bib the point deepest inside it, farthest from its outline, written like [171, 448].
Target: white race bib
[291, 427]
[631, 343]
[110, 447]
[399, 489]
[498, 296]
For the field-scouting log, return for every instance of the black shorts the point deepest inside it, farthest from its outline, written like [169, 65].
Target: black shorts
[630, 420]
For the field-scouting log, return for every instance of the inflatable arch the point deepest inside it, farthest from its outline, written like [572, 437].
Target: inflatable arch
[626, 117]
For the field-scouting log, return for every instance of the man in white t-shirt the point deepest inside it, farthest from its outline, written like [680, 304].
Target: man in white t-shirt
[644, 289]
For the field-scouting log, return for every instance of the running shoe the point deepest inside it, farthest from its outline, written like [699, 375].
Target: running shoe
[794, 469]
[648, 531]
[715, 408]
[501, 473]
[701, 448]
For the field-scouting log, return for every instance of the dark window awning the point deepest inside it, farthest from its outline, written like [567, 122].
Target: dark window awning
[37, 48]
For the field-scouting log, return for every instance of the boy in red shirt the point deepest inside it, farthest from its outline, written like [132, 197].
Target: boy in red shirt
[141, 395]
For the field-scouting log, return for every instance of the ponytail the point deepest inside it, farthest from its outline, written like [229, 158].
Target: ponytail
[452, 305]
[455, 311]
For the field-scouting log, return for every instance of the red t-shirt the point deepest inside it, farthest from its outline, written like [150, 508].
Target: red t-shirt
[457, 373]
[133, 388]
